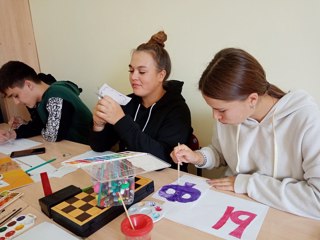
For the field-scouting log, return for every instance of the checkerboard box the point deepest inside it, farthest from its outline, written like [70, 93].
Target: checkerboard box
[81, 215]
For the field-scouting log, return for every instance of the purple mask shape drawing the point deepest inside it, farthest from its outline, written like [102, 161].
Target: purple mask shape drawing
[180, 193]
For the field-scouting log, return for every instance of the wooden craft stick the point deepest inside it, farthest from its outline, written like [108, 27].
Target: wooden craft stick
[178, 167]
[125, 209]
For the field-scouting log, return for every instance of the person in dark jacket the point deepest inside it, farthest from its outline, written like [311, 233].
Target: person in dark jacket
[60, 113]
[156, 119]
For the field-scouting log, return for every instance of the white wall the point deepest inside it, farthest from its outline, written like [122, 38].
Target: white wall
[89, 42]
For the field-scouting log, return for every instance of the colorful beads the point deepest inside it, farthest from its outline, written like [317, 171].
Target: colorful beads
[108, 192]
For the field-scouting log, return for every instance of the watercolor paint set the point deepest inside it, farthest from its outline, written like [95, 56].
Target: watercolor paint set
[16, 226]
[153, 209]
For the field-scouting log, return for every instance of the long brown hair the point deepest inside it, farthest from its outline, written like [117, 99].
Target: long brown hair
[155, 46]
[233, 74]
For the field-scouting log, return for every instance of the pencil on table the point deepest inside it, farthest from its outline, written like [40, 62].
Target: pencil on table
[40, 165]
[22, 162]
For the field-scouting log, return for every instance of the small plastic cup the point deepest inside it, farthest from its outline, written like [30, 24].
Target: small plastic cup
[143, 226]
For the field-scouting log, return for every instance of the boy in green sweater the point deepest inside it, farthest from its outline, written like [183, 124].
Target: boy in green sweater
[60, 113]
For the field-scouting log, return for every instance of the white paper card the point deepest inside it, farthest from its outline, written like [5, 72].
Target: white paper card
[114, 94]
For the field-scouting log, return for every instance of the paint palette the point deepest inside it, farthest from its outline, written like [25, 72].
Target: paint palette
[16, 226]
[152, 209]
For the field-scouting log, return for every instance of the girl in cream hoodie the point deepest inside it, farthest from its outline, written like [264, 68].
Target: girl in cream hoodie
[268, 139]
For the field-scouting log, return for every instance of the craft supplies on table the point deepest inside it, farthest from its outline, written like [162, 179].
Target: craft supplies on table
[81, 215]
[137, 227]
[16, 226]
[113, 174]
[107, 192]
[153, 209]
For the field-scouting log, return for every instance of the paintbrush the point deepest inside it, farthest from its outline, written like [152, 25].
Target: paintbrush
[125, 209]
[178, 165]
[11, 215]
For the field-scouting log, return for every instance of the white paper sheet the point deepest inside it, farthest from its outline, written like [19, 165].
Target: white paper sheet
[17, 145]
[61, 171]
[48, 231]
[217, 213]
[28, 162]
[120, 98]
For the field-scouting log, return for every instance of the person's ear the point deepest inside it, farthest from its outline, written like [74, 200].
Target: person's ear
[162, 75]
[29, 84]
[253, 99]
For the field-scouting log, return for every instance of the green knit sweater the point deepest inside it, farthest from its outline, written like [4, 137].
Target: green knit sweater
[60, 95]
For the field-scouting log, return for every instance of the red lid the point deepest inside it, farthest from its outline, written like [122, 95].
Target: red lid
[142, 223]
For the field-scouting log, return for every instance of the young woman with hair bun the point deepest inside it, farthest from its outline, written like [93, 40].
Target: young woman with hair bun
[156, 119]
